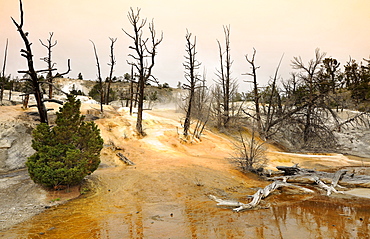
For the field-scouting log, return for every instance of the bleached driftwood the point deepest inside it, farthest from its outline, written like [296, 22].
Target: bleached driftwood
[124, 159]
[306, 176]
[331, 189]
[257, 197]
[263, 193]
[338, 176]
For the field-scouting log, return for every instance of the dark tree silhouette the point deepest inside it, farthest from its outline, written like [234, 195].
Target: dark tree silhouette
[255, 88]
[3, 79]
[191, 65]
[111, 64]
[143, 59]
[101, 88]
[226, 84]
[31, 72]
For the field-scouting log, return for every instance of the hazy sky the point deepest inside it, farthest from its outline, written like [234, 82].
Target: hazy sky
[273, 27]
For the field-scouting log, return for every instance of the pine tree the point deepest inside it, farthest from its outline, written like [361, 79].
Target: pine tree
[67, 152]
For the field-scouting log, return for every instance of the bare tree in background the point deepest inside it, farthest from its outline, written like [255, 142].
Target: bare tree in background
[309, 79]
[202, 107]
[101, 87]
[216, 105]
[48, 60]
[143, 59]
[255, 89]
[270, 113]
[191, 66]
[132, 81]
[111, 64]
[226, 83]
[3, 78]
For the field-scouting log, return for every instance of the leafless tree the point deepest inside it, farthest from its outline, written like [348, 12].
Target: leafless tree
[111, 64]
[216, 105]
[250, 152]
[3, 79]
[101, 87]
[191, 66]
[51, 65]
[132, 93]
[143, 59]
[27, 53]
[255, 88]
[309, 78]
[227, 84]
[202, 107]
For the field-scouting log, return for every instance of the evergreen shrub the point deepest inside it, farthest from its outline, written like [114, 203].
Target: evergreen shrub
[67, 152]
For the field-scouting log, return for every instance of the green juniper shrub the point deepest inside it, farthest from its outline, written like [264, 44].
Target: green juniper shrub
[67, 152]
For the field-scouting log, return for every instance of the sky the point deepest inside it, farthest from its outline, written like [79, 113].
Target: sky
[273, 27]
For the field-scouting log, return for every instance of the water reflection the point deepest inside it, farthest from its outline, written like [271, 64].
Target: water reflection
[321, 217]
[116, 211]
[324, 217]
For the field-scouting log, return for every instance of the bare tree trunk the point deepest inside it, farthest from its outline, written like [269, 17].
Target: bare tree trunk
[255, 89]
[25, 101]
[191, 65]
[3, 73]
[31, 71]
[49, 76]
[99, 78]
[144, 58]
[111, 64]
[224, 77]
[131, 88]
[11, 83]
[227, 86]
[48, 60]
[140, 107]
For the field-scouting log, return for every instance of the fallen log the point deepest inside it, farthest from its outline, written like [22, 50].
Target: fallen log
[337, 177]
[263, 193]
[124, 159]
[294, 170]
[331, 189]
[306, 176]
[257, 197]
[322, 185]
[289, 170]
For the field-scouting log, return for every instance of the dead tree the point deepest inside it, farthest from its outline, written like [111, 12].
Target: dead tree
[27, 53]
[309, 80]
[202, 107]
[143, 59]
[132, 81]
[49, 76]
[227, 84]
[48, 60]
[191, 66]
[111, 64]
[270, 113]
[101, 88]
[3, 79]
[255, 89]
[250, 153]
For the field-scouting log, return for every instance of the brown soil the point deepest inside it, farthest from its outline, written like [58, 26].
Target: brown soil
[166, 193]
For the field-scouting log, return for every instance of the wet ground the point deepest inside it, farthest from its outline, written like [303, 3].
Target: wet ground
[166, 194]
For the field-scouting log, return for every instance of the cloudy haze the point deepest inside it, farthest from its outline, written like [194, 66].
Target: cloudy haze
[273, 27]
